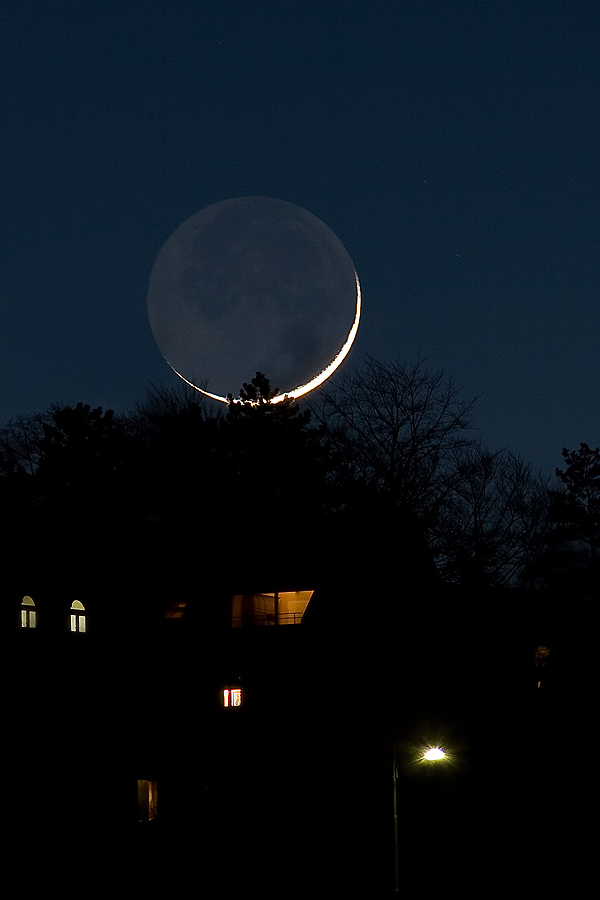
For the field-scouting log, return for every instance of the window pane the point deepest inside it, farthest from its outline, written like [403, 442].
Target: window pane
[147, 800]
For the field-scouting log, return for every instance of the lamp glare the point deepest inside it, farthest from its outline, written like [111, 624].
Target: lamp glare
[433, 754]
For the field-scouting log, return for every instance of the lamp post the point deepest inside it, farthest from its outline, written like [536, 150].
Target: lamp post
[427, 755]
[395, 801]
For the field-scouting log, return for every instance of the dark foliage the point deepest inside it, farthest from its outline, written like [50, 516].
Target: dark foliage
[178, 483]
[398, 427]
[569, 562]
[403, 433]
[493, 520]
[207, 486]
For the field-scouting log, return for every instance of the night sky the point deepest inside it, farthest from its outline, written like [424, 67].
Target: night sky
[453, 147]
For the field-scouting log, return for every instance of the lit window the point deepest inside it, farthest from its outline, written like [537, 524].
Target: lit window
[78, 617]
[147, 801]
[232, 697]
[176, 609]
[279, 608]
[28, 613]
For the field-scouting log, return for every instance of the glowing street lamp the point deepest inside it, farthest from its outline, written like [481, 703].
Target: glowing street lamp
[434, 754]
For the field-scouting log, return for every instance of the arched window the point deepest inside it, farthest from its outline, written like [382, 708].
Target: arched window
[28, 613]
[78, 617]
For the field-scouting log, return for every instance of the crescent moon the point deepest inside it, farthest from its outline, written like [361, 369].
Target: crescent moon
[314, 382]
[254, 284]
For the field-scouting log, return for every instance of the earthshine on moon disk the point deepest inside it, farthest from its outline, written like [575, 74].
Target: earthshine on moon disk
[254, 285]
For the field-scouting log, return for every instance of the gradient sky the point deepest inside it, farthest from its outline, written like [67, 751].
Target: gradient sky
[453, 147]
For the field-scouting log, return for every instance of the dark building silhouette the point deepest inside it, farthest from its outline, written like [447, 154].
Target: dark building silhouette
[243, 726]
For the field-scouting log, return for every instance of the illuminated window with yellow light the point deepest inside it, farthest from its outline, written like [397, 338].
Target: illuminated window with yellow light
[28, 613]
[278, 608]
[232, 697]
[78, 618]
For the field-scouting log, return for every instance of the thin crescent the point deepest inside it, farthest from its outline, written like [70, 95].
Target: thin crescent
[314, 382]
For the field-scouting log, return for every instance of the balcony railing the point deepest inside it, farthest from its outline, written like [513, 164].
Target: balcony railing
[260, 619]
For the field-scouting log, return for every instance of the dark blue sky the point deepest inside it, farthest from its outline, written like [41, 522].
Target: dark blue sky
[452, 147]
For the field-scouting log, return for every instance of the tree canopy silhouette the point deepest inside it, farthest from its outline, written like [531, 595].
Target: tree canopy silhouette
[493, 520]
[183, 479]
[398, 427]
[403, 433]
[569, 562]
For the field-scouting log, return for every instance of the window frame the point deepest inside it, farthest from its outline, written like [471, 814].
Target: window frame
[28, 612]
[78, 618]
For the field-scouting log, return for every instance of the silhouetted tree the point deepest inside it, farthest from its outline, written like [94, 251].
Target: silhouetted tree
[398, 428]
[570, 560]
[181, 479]
[403, 438]
[493, 520]
[576, 512]
[229, 486]
[277, 461]
[257, 392]
[165, 403]
[78, 442]
[65, 443]
[20, 439]
[84, 498]
[178, 479]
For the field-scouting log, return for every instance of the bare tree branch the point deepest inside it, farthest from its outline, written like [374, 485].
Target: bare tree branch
[397, 425]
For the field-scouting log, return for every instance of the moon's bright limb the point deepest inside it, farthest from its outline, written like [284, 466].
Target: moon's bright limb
[314, 382]
[254, 284]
